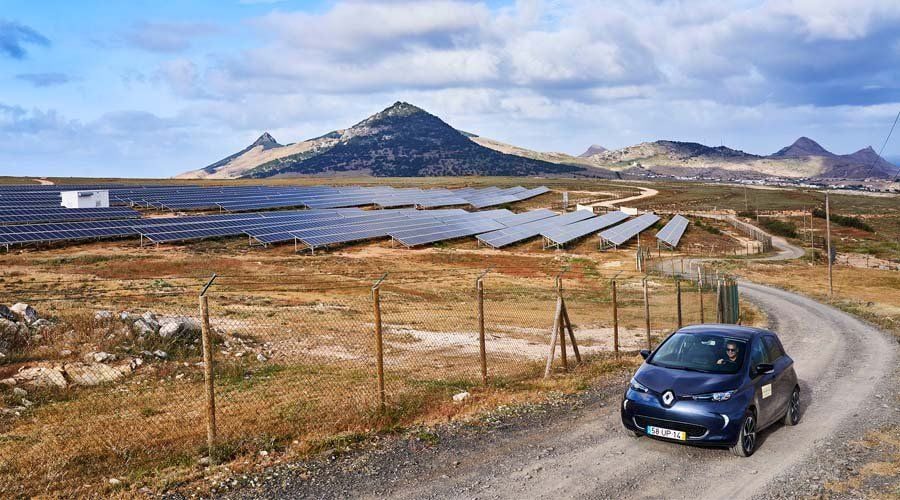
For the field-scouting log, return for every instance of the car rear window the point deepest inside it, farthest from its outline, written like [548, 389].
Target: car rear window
[773, 348]
[706, 353]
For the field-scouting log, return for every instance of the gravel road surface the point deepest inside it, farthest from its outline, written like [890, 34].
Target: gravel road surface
[848, 375]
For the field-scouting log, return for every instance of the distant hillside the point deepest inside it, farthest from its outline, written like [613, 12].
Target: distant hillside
[404, 140]
[592, 150]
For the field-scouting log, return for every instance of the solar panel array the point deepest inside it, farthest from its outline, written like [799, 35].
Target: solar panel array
[323, 215]
[503, 237]
[254, 198]
[559, 236]
[672, 232]
[624, 232]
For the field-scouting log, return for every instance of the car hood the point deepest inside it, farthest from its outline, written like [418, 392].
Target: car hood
[684, 382]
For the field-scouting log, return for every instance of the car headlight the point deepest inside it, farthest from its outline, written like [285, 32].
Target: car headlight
[637, 386]
[715, 396]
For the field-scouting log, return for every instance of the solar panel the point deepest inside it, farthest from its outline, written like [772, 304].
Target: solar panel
[672, 232]
[559, 236]
[510, 235]
[444, 231]
[525, 217]
[624, 232]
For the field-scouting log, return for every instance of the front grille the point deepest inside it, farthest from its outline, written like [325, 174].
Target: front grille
[692, 430]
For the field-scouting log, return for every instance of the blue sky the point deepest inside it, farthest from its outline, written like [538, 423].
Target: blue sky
[151, 89]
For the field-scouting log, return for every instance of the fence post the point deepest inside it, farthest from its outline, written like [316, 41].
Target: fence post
[700, 292]
[647, 312]
[719, 301]
[479, 287]
[678, 300]
[379, 344]
[562, 332]
[615, 315]
[208, 376]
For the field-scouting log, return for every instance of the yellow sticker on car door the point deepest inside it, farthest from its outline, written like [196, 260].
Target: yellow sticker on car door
[766, 390]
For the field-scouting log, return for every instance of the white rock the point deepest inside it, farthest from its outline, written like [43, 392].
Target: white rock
[114, 482]
[95, 373]
[261, 358]
[25, 312]
[160, 354]
[10, 382]
[100, 357]
[65, 352]
[18, 391]
[462, 396]
[143, 328]
[125, 316]
[41, 376]
[102, 315]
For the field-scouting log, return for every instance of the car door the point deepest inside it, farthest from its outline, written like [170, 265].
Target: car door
[763, 383]
[781, 386]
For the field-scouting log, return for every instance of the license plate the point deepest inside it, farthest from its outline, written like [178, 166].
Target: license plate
[666, 433]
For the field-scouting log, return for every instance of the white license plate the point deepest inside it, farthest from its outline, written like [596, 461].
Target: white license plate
[666, 433]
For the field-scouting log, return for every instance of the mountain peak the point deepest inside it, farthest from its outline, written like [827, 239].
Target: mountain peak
[594, 149]
[266, 141]
[803, 146]
[400, 108]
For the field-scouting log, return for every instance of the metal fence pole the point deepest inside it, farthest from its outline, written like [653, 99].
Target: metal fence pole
[700, 292]
[647, 312]
[719, 301]
[208, 376]
[678, 300]
[379, 344]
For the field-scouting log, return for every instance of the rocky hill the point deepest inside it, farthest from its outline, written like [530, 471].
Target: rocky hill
[404, 140]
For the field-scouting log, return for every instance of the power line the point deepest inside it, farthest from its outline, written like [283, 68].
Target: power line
[886, 139]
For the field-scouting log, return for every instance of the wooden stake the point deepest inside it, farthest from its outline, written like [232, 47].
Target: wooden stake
[379, 344]
[565, 312]
[208, 374]
[678, 300]
[553, 337]
[479, 286]
[615, 315]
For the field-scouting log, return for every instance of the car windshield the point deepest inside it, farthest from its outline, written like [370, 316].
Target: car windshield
[700, 352]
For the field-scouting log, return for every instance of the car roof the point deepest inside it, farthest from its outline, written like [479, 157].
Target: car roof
[736, 331]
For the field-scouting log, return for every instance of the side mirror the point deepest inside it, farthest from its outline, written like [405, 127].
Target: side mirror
[645, 353]
[764, 368]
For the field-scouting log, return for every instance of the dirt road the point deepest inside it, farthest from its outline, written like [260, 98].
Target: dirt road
[847, 371]
[842, 363]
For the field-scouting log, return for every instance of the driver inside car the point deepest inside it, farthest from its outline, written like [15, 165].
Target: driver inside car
[731, 354]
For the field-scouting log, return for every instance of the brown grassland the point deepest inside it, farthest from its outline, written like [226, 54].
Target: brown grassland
[294, 355]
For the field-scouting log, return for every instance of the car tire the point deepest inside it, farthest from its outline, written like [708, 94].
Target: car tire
[746, 442]
[792, 415]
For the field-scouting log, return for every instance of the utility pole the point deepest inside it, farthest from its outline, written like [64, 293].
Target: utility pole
[828, 239]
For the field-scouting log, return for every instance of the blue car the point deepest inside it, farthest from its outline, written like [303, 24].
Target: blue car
[713, 385]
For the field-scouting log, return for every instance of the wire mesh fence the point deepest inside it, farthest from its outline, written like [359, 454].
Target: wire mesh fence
[119, 388]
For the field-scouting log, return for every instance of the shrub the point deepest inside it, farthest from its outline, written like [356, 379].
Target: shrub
[844, 220]
[780, 228]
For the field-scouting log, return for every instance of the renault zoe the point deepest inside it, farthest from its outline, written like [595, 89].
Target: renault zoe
[713, 385]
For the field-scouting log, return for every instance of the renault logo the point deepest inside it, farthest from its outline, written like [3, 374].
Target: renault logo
[668, 398]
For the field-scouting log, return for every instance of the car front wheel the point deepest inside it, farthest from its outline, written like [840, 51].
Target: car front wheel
[792, 416]
[746, 442]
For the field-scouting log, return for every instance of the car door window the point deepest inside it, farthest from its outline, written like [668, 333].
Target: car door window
[758, 354]
[773, 349]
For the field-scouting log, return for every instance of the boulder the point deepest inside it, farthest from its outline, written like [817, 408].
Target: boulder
[462, 396]
[7, 314]
[95, 373]
[25, 312]
[141, 327]
[150, 319]
[125, 316]
[99, 357]
[41, 376]
[9, 382]
[103, 315]
[183, 329]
